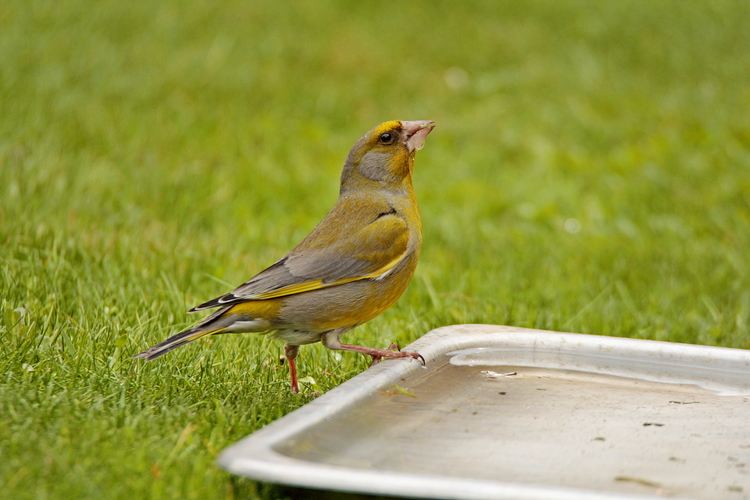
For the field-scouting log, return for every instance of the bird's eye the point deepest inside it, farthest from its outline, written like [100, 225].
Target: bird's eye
[386, 138]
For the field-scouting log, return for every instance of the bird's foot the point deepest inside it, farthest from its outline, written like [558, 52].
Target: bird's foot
[376, 358]
[379, 354]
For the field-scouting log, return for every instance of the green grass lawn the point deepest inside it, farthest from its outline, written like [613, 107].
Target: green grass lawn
[590, 173]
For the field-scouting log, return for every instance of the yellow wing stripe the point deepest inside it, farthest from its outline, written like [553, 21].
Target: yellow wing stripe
[290, 290]
[318, 284]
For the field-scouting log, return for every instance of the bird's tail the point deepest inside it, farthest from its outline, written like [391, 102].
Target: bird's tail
[206, 327]
[174, 342]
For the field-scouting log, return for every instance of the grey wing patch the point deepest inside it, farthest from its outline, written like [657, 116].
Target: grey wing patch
[273, 277]
[327, 268]
[286, 273]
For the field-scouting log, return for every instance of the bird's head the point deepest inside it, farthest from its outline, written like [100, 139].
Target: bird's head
[385, 154]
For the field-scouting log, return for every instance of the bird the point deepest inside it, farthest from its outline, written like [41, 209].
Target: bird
[354, 265]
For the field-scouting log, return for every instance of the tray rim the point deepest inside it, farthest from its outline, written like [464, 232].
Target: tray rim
[255, 457]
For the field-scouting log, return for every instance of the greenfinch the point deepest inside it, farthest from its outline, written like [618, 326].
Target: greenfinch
[353, 266]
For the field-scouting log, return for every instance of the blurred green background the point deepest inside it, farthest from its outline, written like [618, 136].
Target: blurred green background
[590, 172]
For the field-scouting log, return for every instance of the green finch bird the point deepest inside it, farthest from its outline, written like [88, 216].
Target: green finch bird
[353, 266]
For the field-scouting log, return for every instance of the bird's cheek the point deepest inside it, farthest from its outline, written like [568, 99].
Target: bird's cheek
[374, 165]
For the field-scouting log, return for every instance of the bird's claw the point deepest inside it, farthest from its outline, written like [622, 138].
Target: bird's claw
[420, 358]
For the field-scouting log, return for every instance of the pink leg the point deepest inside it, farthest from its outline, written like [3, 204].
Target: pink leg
[291, 351]
[378, 354]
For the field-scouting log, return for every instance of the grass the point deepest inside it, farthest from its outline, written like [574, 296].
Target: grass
[590, 172]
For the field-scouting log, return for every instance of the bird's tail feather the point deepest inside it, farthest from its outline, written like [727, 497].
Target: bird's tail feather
[176, 341]
[208, 326]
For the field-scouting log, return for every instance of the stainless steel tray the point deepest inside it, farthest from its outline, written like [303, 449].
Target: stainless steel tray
[502, 412]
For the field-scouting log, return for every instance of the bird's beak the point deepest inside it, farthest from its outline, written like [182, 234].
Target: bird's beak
[415, 133]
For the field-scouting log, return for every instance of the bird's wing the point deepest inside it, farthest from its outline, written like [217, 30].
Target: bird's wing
[367, 253]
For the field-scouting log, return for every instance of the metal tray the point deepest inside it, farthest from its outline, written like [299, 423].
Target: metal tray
[502, 412]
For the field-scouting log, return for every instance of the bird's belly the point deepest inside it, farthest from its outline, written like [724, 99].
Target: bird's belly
[297, 337]
[342, 306]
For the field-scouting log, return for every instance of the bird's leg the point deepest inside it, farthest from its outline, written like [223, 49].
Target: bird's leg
[331, 341]
[290, 352]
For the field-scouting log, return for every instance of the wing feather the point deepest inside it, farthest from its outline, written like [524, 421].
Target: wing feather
[373, 250]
